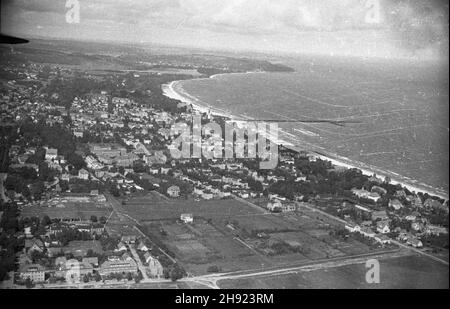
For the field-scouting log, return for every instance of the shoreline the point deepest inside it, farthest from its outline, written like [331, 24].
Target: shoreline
[170, 91]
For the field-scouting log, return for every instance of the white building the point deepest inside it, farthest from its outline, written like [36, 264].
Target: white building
[51, 154]
[187, 218]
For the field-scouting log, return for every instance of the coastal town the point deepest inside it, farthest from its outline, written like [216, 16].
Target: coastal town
[91, 196]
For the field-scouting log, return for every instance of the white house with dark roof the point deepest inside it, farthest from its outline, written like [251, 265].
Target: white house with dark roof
[83, 174]
[383, 227]
[51, 154]
[142, 247]
[173, 191]
[121, 247]
[155, 267]
[34, 272]
[396, 204]
[187, 218]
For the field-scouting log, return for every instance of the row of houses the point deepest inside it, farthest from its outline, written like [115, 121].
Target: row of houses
[121, 262]
[368, 232]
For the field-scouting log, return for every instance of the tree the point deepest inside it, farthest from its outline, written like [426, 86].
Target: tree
[129, 277]
[28, 283]
[94, 219]
[114, 191]
[97, 277]
[76, 160]
[213, 269]
[46, 220]
[40, 230]
[139, 167]
[138, 277]
[121, 170]
[177, 272]
[64, 185]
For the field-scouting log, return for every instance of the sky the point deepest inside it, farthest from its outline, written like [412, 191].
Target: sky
[367, 28]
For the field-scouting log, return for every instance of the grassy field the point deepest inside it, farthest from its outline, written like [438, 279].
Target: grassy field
[153, 207]
[410, 272]
[82, 211]
[69, 207]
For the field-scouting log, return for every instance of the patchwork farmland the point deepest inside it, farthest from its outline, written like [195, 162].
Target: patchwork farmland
[229, 235]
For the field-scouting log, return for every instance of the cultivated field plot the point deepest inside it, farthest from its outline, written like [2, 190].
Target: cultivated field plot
[82, 211]
[307, 234]
[200, 245]
[153, 208]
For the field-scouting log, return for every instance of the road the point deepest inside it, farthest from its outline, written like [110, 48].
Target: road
[141, 266]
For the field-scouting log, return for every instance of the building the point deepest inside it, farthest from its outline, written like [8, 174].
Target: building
[83, 174]
[383, 239]
[367, 231]
[158, 157]
[53, 251]
[187, 218]
[436, 230]
[383, 227]
[142, 247]
[126, 160]
[353, 229]
[60, 261]
[91, 260]
[275, 206]
[289, 207]
[128, 239]
[433, 204]
[34, 272]
[94, 228]
[382, 215]
[51, 154]
[126, 257]
[417, 226]
[73, 270]
[34, 244]
[363, 212]
[121, 247]
[155, 267]
[173, 191]
[361, 193]
[414, 242]
[396, 204]
[118, 267]
[379, 190]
